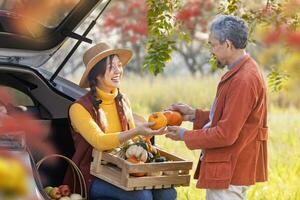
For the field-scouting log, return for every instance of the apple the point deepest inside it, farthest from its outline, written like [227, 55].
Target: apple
[48, 189]
[75, 196]
[65, 198]
[55, 193]
[64, 190]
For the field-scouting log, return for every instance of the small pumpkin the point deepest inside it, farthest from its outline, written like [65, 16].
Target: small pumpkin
[136, 161]
[144, 155]
[174, 118]
[138, 152]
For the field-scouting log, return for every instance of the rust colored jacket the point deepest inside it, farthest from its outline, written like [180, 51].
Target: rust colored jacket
[236, 144]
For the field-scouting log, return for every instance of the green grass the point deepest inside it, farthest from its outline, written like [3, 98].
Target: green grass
[154, 94]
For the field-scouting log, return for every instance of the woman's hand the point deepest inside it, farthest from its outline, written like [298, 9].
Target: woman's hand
[145, 130]
[141, 129]
[188, 113]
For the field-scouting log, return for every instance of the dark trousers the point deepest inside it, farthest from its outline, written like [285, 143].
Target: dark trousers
[101, 190]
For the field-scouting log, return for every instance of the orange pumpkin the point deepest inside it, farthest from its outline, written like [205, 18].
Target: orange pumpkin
[174, 118]
[136, 161]
[160, 120]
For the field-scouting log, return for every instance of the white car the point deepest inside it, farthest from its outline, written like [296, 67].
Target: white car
[25, 45]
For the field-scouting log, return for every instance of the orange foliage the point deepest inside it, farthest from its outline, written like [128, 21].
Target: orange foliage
[44, 11]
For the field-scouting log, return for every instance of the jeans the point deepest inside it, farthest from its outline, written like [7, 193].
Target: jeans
[101, 190]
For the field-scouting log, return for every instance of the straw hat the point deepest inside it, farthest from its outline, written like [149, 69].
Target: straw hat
[96, 53]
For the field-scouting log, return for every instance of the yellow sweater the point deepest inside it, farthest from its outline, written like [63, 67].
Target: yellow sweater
[83, 123]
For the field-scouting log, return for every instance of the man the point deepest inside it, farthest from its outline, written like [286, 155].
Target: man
[233, 134]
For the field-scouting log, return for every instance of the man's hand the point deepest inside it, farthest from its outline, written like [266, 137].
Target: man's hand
[188, 113]
[174, 133]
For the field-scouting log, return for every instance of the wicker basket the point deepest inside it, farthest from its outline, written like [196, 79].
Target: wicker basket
[75, 171]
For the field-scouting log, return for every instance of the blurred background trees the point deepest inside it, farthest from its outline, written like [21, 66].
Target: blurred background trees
[274, 40]
[274, 36]
[130, 33]
[192, 17]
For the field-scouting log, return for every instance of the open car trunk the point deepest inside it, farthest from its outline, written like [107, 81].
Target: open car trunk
[49, 106]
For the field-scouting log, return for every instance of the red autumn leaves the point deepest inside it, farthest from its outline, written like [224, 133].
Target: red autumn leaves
[130, 18]
[281, 34]
[13, 124]
[193, 15]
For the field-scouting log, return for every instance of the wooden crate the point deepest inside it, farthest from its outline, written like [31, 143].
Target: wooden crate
[117, 171]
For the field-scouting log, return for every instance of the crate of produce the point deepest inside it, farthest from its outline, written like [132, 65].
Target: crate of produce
[159, 170]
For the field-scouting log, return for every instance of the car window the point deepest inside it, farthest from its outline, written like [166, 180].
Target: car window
[74, 68]
[19, 98]
[47, 12]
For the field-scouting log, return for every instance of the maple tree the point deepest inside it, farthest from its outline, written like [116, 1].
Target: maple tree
[280, 17]
[194, 17]
[129, 18]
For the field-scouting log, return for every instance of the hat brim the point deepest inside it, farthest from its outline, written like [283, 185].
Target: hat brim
[124, 55]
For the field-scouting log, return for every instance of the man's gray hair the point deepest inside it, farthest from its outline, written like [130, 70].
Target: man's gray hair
[234, 29]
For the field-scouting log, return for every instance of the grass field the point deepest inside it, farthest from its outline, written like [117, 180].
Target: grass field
[154, 94]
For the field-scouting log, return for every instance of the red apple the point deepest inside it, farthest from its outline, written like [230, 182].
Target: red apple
[64, 190]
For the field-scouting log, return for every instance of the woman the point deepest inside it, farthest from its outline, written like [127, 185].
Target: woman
[102, 119]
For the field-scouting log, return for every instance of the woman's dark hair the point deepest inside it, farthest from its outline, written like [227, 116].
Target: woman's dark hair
[99, 69]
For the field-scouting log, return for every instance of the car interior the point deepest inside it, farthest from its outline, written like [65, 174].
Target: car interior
[38, 98]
